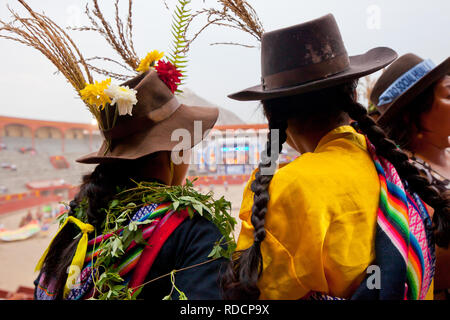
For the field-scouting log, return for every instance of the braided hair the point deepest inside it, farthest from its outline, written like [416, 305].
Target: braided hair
[416, 183]
[98, 188]
[246, 268]
[325, 108]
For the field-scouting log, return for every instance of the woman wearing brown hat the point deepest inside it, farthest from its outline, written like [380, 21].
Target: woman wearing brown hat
[137, 150]
[132, 230]
[344, 220]
[413, 99]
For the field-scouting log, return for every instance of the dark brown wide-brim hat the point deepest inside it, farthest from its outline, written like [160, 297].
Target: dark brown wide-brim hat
[307, 57]
[404, 80]
[152, 127]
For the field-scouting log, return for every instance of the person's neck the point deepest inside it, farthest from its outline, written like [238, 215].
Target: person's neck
[308, 140]
[433, 150]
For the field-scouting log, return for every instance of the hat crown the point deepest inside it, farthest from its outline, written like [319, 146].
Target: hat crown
[305, 52]
[152, 95]
[392, 73]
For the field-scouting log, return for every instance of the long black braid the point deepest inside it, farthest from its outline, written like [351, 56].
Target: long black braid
[241, 276]
[415, 181]
[98, 188]
[322, 108]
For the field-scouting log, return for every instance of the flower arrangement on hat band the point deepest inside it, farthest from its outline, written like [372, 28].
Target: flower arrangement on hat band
[102, 94]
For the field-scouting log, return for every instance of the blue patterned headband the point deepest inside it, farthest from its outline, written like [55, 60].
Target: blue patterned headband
[406, 81]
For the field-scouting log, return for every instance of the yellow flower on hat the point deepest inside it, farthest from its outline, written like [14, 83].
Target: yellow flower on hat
[95, 95]
[124, 97]
[150, 60]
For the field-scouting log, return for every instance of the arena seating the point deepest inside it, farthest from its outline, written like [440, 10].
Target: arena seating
[37, 167]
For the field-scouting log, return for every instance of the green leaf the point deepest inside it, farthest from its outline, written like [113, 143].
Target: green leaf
[114, 203]
[62, 217]
[182, 296]
[117, 246]
[180, 19]
[190, 212]
[132, 226]
[198, 208]
[139, 239]
[136, 293]
[119, 287]
[140, 223]
[213, 252]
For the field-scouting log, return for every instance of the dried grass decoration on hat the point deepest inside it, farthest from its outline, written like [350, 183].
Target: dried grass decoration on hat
[144, 128]
[140, 113]
[105, 95]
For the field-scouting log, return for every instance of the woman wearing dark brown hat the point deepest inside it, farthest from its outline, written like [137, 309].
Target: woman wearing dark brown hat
[344, 220]
[413, 98]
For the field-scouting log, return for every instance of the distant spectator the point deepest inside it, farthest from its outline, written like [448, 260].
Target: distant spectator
[26, 220]
[39, 216]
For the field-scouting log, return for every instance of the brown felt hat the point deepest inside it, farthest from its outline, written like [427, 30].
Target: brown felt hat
[309, 56]
[156, 116]
[402, 81]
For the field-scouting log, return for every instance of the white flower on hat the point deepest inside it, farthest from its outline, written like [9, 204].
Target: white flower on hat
[123, 96]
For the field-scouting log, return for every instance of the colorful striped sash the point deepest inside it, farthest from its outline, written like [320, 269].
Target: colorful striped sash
[164, 222]
[404, 246]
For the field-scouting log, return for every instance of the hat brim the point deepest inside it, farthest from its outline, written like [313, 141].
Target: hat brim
[420, 86]
[361, 65]
[159, 137]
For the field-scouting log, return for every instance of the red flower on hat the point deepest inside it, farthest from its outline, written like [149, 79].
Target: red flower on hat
[168, 74]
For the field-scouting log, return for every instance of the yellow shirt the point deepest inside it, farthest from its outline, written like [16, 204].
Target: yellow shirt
[321, 220]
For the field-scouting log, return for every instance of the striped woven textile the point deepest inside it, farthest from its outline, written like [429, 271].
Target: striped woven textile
[398, 219]
[404, 243]
[83, 287]
[153, 211]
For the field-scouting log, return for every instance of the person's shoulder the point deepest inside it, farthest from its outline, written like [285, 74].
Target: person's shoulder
[293, 175]
[305, 168]
[196, 227]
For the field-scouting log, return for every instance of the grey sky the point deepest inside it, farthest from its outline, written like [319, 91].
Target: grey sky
[29, 88]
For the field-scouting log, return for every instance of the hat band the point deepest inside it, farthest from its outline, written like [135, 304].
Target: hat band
[134, 125]
[165, 111]
[307, 73]
[405, 81]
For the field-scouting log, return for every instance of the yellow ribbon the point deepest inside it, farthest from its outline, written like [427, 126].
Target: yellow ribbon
[80, 253]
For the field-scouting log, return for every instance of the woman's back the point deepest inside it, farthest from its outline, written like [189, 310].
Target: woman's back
[321, 220]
